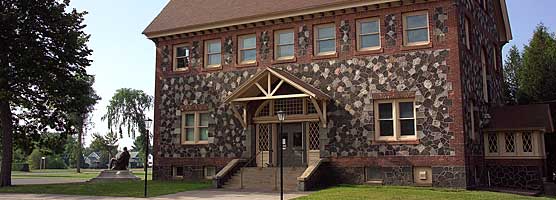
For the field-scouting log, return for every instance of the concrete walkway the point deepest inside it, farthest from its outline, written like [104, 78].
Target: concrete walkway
[191, 195]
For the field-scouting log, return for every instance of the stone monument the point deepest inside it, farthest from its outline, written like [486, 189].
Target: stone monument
[118, 170]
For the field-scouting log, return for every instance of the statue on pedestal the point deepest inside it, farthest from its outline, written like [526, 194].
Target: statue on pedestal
[121, 162]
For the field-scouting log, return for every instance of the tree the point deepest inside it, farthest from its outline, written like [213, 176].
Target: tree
[537, 77]
[511, 67]
[126, 112]
[105, 144]
[43, 77]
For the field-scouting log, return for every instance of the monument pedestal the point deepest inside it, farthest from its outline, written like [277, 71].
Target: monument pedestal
[115, 175]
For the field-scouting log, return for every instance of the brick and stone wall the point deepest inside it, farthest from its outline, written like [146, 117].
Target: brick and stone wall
[518, 174]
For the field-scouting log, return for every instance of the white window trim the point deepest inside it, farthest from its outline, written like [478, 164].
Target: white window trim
[196, 128]
[241, 49]
[359, 34]
[277, 45]
[207, 54]
[395, 116]
[175, 60]
[317, 41]
[405, 29]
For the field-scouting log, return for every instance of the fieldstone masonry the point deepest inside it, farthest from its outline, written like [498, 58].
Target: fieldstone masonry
[303, 37]
[228, 50]
[441, 29]
[265, 45]
[345, 41]
[391, 33]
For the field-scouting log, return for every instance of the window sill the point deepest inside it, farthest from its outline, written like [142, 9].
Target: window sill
[393, 142]
[195, 143]
[281, 61]
[212, 68]
[369, 51]
[325, 56]
[416, 46]
[246, 64]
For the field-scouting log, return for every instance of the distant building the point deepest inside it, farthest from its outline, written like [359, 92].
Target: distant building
[93, 160]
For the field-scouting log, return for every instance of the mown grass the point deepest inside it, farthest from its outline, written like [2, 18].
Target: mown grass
[360, 192]
[70, 173]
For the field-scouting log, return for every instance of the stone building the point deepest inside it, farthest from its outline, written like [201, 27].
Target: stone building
[396, 92]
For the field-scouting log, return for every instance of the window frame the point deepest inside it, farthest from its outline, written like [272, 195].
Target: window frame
[405, 29]
[396, 121]
[207, 54]
[495, 57]
[316, 40]
[467, 33]
[519, 153]
[241, 49]
[484, 74]
[277, 45]
[196, 128]
[359, 34]
[175, 57]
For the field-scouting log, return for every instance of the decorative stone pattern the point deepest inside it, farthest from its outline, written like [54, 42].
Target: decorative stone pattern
[452, 177]
[391, 33]
[345, 41]
[165, 50]
[265, 45]
[399, 175]
[303, 37]
[228, 50]
[195, 55]
[441, 29]
[519, 177]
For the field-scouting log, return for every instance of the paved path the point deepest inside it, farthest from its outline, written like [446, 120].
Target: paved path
[41, 181]
[191, 195]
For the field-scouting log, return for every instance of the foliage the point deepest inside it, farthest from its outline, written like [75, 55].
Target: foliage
[511, 67]
[43, 78]
[70, 152]
[537, 77]
[126, 110]
[55, 162]
[106, 145]
[118, 189]
[35, 159]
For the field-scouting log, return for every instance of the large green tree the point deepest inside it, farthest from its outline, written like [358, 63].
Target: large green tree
[511, 82]
[106, 145]
[43, 77]
[537, 77]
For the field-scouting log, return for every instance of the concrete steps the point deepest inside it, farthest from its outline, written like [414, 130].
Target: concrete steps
[265, 179]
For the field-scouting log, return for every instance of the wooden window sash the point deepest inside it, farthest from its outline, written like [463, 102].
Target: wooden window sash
[242, 49]
[360, 34]
[318, 40]
[396, 121]
[279, 44]
[406, 29]
[196, 128]
[176, 57]
[208, 53]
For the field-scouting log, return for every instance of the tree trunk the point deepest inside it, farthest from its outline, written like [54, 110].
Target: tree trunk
[78, 158]
[7, 144]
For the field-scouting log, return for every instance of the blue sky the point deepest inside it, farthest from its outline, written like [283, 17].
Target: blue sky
[124, 58]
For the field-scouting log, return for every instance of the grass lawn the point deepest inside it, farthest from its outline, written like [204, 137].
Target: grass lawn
[70, 173]
[120, 189]
[348, 192]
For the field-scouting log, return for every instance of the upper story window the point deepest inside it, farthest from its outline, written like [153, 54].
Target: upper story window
[284, 45]
[213, 53]
[325, 39]
[247, 49]
[416, 28]
[395, 120]
[368, 34]
[195, 128]
[181, 57]
[466, 36]
[484, 75]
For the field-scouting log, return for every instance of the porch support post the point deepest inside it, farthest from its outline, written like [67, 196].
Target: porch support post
[238, 116]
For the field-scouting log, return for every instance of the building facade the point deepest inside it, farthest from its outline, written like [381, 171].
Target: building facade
[394, 91]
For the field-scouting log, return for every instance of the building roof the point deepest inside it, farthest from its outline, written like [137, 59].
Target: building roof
[523, 117]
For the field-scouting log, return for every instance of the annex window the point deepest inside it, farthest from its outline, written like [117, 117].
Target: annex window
[525, 144]
[466, 36]
[527, 140]
[325, 40]
[492, 143]
[284, 45]
[509, 139]
[181, 57]
[484, 75]
[195, 127]
[247, 49]
[416, 28]
[368, 34]
[395, 120]
[213, 53]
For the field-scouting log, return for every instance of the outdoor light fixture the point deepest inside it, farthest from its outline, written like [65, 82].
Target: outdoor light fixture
[148, 123]
[281, 117]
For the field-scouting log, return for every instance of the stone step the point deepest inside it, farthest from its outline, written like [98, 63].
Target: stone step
[266, 179]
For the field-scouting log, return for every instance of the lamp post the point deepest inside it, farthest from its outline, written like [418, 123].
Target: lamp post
[281, 118]
[148, 123]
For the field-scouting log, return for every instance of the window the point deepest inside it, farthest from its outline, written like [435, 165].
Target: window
[247, 49]
[213, 54]
[368, 34]
[527, 140]
[195, 128]
[492, 143]
[395, 120]
[484, 75]
[514, 145]
[325, 40]
[284, 45]
[475, 121]
[494, 57]
[466, 36]
[209, 172]
[416, 28]
[181, 57]
[510, 142]
[178, 171]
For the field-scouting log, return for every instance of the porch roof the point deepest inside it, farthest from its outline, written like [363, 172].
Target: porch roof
[284, 76]
[520, 118]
